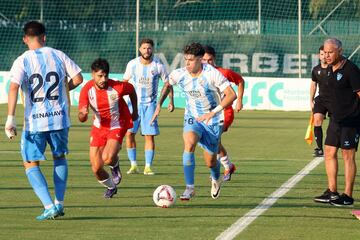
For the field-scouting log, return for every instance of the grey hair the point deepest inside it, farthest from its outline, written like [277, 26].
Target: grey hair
[334, 41]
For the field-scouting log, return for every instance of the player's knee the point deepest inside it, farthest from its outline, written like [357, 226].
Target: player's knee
[189, 147]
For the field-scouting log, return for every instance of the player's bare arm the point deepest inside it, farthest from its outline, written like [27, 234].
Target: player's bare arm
[75, 81]
[10, 125]
[239, 103]
[171, 106]
[230, 96]
[164, 93]
[133, 99]
[83, 114]
[313, 87]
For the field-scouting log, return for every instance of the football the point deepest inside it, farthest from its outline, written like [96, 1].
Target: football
[164, 196]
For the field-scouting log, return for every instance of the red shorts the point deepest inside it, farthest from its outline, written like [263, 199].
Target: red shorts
[99, 137]
[228, 118]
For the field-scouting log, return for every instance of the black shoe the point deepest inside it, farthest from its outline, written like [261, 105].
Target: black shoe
[109, 193]
[343, 201]
[327, 196]
[116, 174]
[318, 152]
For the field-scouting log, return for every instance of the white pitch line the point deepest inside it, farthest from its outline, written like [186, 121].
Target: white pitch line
[242, 223]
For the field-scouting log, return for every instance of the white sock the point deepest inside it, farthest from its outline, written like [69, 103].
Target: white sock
[59, 202]
[190, 186]
[108, 183]
[225, 161]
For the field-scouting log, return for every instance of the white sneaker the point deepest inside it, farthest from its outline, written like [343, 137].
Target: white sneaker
[215, 188]
[188, 194]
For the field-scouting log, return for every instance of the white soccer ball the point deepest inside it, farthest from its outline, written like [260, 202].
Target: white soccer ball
[164, 196]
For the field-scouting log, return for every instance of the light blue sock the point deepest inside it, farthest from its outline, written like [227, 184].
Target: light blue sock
[131, 152]
[39, 184]
[60, 178]
[189, 167]
[215, 171]
[149, 157]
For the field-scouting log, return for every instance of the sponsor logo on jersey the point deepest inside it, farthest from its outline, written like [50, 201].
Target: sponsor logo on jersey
[194, 93]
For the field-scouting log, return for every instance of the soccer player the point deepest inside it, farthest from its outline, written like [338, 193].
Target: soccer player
[319, 105]
[209, 58]
[144, 73]
[42, 73]
[204, 115]
[112, 120]
[344, 127]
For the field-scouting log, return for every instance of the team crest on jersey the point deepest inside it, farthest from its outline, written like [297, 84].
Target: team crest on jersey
[113, 96]
[319, 72]
[338, 76]
[153, 71]
[202, 81]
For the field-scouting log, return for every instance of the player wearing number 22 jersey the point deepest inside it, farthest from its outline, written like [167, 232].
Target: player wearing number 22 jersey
[43, 74]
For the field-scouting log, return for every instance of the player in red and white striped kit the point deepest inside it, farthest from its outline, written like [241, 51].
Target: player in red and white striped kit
[112, 119]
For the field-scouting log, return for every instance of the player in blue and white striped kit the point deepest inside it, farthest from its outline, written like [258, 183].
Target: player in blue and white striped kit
[42, 73]
[204, 115]
[144, 73]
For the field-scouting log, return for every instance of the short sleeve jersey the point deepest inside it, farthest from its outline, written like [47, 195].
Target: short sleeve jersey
[203, 93]
[145, 78]
[344, 84]
[43, 77]
[321, 77]
[108, 105]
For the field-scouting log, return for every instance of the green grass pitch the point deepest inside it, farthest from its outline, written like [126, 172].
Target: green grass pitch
[267, 148]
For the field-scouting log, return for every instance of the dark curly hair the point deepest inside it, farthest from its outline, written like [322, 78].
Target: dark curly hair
[195, 49]
[100, 64]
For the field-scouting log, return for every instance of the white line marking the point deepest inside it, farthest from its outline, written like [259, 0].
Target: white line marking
[242, 223]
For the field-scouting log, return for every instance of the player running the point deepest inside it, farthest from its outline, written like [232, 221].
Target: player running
[111, 121]
[204, 116]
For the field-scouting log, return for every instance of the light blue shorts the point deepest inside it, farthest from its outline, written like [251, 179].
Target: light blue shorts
[209, 135]
[145, 114]
[33, 144]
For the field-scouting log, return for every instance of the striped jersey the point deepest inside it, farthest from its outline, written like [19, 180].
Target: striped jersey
[108, 104]
[43, 77]
[145, 78]
[203, 93]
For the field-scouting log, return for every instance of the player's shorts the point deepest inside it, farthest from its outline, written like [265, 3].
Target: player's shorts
[146, 111]
[321, 106]
[209, 135]
[228, 118]
[100, 136]
[33, 144]
[341, 136]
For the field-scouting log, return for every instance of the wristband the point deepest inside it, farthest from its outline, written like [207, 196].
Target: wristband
[218, 108]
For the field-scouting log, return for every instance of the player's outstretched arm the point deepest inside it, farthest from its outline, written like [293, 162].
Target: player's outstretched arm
[75, 81]
[10, 125]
